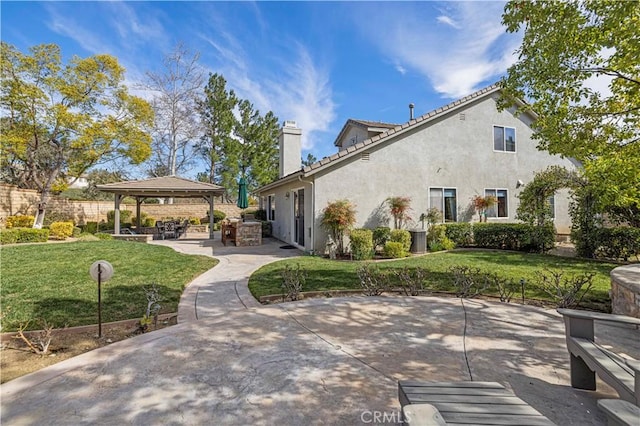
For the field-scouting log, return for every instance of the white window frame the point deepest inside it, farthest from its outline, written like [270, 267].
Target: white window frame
[552, 201]
[515, 139]
[441, 208]
[496, 207]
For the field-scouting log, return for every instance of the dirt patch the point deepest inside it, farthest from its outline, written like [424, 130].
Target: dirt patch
[17, 360]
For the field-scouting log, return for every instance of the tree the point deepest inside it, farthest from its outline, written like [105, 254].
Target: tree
[176, 127]
[569, 48]
[246, 146]
[59, 120]
[100, 177]
[257, 147]
[399, 207]
[309, 161]
[216, 111]
[338, 218]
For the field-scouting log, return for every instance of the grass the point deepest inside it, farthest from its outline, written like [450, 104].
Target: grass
[324, 274]
[51, 281]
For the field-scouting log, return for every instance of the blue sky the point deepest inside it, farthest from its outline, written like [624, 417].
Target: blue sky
[318, 63]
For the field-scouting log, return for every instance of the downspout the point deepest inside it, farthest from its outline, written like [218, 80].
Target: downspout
[313, 214]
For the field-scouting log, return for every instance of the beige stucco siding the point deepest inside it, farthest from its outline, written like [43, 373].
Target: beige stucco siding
[449, 153]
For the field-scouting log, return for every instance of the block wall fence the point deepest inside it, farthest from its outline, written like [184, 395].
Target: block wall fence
[16, 201]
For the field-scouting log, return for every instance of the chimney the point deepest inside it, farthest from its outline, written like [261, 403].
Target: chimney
[411, 105]
[290, 146]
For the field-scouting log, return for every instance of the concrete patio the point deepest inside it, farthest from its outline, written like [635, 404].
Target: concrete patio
[318, 361]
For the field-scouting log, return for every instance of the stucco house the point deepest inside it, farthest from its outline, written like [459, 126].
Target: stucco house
[441, 159]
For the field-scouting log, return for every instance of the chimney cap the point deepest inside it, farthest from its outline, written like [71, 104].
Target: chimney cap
[290, 123]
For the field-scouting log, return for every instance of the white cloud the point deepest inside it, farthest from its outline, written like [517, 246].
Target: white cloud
[297, 89]
[402, 70]
[447, 21]
[458, 57]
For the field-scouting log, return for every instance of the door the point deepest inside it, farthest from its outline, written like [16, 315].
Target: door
[298, 217]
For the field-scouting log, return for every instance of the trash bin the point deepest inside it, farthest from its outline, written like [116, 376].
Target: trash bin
[418, 240]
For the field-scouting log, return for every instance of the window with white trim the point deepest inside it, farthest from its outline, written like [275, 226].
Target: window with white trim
[504, 139]
[445, 201]
[501, 208]
[552, 206]
[271, 207]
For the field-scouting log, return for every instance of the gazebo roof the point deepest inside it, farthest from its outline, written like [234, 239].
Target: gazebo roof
[167, 186]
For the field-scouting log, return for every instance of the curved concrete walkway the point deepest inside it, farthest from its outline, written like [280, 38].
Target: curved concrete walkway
[320, 361]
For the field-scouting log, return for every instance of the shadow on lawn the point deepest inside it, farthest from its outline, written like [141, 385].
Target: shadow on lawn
[118, 303]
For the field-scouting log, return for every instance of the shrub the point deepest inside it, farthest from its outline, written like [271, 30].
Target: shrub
[88, 237]
[57, 216]
[380, 236]
[411, 280]
[9, 236]
[399, 207]
[61, 230]
[90, 227]
[568, 292]
[401, 236]
[394, 250]
[20, 221]
[24, 235]
[76, 232]
[514, 236]
[618, 243]
[194, 221]
[361, 243]
[218, 216]
[338, 217]
[104, 236]
[292, 281]
[372, 281]
[261, 214]
[469, 282]
[460, 233]
[125, 216]
[438, 240]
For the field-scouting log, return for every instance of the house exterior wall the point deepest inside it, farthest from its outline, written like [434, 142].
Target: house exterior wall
[353, 136]
[282, 226]
[449, 153]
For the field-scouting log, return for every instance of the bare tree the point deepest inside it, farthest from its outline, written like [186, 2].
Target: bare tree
[177, 126]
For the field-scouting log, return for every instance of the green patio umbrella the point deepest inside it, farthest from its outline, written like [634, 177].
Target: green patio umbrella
[243, 199]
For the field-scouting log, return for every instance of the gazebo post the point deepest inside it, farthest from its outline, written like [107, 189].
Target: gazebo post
[116, 215]
[138, 202]
[210, 200]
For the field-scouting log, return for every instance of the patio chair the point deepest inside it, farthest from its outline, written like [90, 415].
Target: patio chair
[170, 230]
[160, 229]
[182, 229]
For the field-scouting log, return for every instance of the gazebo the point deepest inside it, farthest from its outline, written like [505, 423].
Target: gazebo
[161, 187]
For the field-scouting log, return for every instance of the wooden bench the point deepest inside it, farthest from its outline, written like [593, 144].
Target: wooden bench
[619, 412]
[470, 403]
[588, 358]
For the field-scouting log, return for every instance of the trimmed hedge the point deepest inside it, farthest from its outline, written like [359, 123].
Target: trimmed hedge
[621, 242]
[23, 235]
[20, 221]
[401, 236]
[361, 244]
[380, 236]
[514, 236]
[61, 230]
[461, 233]
[394, 250]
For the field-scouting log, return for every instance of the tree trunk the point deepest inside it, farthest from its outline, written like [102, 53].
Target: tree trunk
[42, 207]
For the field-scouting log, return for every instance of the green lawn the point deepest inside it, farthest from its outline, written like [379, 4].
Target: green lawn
[325, 274]
[51, 281]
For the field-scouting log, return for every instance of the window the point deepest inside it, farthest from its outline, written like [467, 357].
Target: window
[552, 206]
[444, 200]
[271, 207]
[501, 208]
[504, 139]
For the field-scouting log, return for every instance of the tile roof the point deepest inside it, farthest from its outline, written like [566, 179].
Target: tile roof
[396, 129]
[171, 186]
